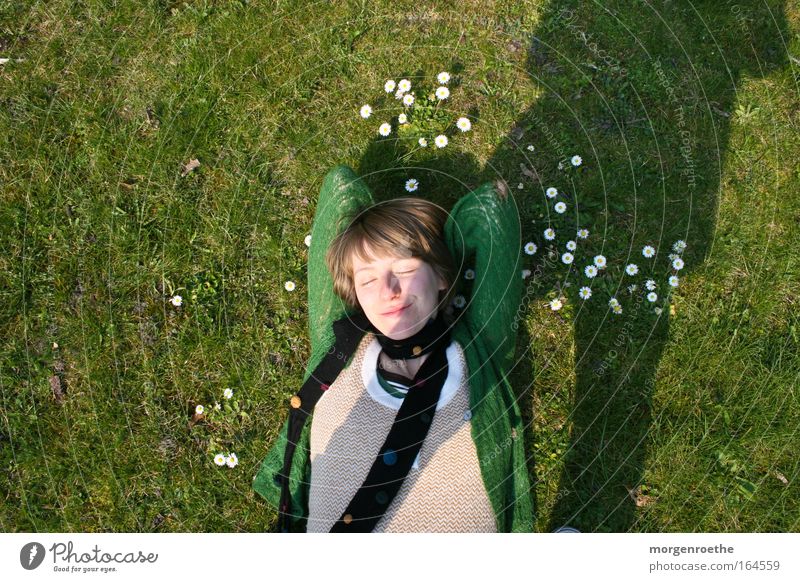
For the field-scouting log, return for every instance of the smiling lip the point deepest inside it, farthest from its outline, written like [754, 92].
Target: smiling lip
[396, 311]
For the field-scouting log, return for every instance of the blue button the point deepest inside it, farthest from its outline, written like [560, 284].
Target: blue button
[390, 457]
[381, 497]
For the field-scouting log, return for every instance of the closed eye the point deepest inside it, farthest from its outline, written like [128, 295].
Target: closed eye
[365, 283]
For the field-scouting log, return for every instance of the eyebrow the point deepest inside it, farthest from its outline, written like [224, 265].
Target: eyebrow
[369, 268]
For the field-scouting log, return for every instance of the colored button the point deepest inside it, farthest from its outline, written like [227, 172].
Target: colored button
[425, 418]
[390, 457]
[347, 519]
[467, 415]
[381, 497]
[416, 350]
[323, 386]
[295, 402]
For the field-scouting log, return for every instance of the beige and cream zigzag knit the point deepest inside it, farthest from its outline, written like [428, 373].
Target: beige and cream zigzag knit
[445, 493]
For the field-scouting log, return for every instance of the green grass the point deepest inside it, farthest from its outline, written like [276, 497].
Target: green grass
[696, 411]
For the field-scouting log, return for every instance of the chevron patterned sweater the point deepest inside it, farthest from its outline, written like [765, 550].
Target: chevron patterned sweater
[443, 492]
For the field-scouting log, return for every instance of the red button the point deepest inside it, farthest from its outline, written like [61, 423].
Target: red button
[323, 386]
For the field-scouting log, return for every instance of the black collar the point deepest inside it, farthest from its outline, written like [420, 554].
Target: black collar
[423, 342]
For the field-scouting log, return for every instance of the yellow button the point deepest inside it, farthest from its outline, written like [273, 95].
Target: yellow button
[295, 402]
[417, 350]
[347, 519]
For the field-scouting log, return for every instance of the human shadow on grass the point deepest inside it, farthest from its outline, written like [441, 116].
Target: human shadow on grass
[645, 96]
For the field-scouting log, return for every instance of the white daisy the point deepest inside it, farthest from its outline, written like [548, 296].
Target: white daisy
[673, 256]
[520, 186]
[443, 77]
[677, 264]
[404, 85]
[232, 460]
[650, 285]
[366, 111]
[289, 285]
[600, 261]
[571, 245]
[648, 251]
[651, 297]
[673, 280]
[583, 233]
[385, 129]
[423, 143]
[469, 274]
[442, 93]
[464, 124]
[411, 185]
[459, 301]
[560, 207]
[217, 406]
[657, 310]
[531, 248]
[398, 94]
[440, 141]
[176, 300]
[585, 293]
[199, 409]
[307, 240]
[590, 271]
[389, 86]
[549, 234]
[567, 258]
[408, 99]
[632, 288]
[613, 302]
[551, 192]
[617, 309]
[526, 273]
[402, 118]
[679, 246]
[556, 304]
[219, 459]
[560, 165]
[228, 393]
[631, 269]
[530, 148]
[576, 161]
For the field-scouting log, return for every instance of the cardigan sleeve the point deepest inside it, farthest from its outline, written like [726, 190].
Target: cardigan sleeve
[342, 193]
[483, 233]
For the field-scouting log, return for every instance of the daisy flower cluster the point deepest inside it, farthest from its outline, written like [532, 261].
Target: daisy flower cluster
[201, 411]
[421, 118]
[595, 265]
[223, 459]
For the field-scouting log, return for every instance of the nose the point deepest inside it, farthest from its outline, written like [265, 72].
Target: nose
[390, 287]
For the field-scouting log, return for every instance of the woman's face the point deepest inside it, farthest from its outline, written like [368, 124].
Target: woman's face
[398, 295]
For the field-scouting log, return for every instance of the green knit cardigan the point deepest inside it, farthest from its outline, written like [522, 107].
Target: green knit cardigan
[483, 232]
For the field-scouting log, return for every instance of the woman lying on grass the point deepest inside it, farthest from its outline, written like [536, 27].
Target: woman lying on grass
[415, 426]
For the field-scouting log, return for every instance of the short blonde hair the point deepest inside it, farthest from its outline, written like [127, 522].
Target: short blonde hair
[403, 227]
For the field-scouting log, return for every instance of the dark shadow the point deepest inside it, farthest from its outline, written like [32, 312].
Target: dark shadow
[645, 94]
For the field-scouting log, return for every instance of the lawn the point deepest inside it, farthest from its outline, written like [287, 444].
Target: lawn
[676, 414]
